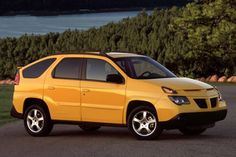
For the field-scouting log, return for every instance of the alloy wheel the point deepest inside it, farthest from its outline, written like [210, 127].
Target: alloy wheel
[144, 123]
[35, 120]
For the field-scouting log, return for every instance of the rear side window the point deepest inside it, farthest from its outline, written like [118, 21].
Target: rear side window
[37, 69]
[68, 68]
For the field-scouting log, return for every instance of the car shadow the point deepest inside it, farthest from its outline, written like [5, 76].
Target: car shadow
[180, 136]
[124, 134]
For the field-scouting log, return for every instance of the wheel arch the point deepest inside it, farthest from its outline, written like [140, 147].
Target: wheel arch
[137, 103]
[35, 101]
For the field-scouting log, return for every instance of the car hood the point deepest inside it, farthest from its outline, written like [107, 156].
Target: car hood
[180, 83]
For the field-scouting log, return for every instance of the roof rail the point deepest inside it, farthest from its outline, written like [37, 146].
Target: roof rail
[103, 53]
[99, 53]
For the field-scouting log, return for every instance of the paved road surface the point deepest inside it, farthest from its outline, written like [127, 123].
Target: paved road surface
[69, 141]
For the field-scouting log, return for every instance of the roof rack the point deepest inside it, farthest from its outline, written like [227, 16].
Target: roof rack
[101, 53]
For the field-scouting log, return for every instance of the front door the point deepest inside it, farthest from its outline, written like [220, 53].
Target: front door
[101, 101]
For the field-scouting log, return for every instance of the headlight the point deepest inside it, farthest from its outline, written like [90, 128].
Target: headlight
[168, 90]
[179, 100]
[219, 94]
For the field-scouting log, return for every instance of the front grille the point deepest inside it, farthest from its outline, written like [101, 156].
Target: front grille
[213, 102]
[201, 103]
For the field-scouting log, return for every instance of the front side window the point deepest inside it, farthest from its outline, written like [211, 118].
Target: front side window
[143, 68]
[68, 68]
[36, 70]
[97, 69]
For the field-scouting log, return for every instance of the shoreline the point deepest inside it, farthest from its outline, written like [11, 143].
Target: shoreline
[73, 12]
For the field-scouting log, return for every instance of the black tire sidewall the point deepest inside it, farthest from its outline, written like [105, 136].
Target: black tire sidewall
[157, 131]
[47, 127]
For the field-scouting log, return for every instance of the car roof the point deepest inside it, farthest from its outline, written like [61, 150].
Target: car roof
[122, 54]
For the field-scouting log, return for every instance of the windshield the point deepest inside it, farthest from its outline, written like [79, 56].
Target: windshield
[143, 68]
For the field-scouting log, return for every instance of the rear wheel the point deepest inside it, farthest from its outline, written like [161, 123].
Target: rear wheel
[89, 127]
[37, 121]
[191, 131]
[143, 123]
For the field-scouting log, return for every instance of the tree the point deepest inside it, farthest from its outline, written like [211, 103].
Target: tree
[209, 29]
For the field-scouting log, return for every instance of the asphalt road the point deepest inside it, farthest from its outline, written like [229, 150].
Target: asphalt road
[66, 140]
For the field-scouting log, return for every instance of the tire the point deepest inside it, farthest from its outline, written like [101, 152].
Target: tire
[143, 123]
[37, 121]
[192, 132]
[89, 127]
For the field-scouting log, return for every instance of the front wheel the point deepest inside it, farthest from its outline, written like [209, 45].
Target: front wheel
[37, 121]
[143, 123]
[192, 132]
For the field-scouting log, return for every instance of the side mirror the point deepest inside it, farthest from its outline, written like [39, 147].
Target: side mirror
[114, 78]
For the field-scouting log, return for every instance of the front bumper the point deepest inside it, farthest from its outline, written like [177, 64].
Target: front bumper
[194, 119]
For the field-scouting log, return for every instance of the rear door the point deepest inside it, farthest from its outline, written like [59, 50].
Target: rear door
[62, 89]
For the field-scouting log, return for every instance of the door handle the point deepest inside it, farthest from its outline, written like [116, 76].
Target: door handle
[51, 87]
[85, 90]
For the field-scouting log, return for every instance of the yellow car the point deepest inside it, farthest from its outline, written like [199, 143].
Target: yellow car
[118, 89]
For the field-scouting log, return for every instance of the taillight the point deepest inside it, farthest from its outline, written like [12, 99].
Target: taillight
[17, 78]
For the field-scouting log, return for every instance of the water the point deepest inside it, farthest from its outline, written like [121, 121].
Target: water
[15, 26]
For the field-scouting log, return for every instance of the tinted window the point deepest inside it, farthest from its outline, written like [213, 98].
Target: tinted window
[98, 70]
[68, 68]
[143, 68]
[37, 69]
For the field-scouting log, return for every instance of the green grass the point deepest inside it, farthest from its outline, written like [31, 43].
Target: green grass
[6, 94]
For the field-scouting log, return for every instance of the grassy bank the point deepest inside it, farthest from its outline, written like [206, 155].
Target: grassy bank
[6, 94]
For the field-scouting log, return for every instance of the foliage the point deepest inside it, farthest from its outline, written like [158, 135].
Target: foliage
[6, 95]
[209, 32]
[196, 40]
